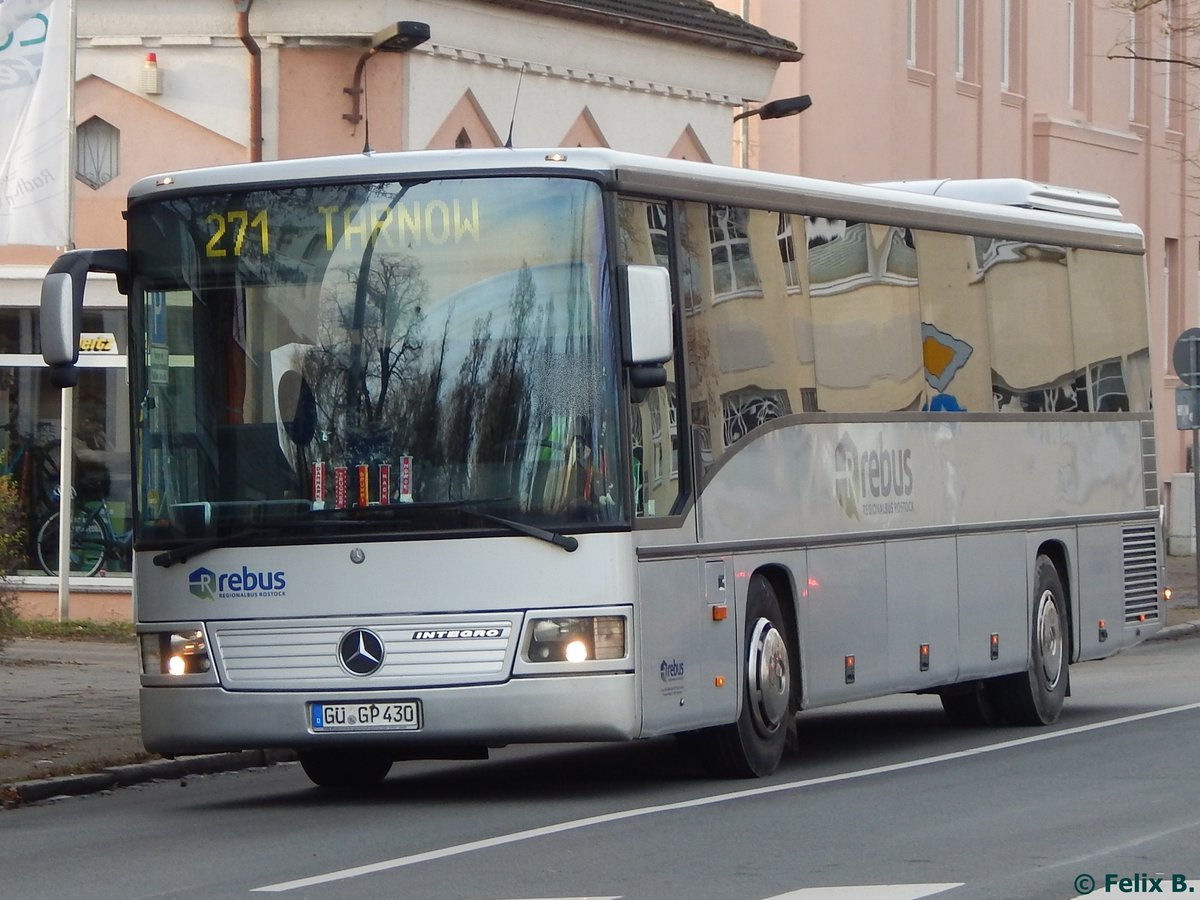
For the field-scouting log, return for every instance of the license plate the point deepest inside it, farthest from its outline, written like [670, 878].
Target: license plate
[391, 715]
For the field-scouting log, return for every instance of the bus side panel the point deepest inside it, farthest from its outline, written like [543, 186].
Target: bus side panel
[846, 612]
[992, 600]
[682, 649]
[1099, 594]
[921, 585]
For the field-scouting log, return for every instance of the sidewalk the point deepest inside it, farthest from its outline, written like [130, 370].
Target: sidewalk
[69, 721]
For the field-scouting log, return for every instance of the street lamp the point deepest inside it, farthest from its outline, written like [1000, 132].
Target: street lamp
[399, 37]
[778, 109]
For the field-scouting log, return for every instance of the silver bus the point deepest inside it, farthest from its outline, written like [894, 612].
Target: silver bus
[436, 452]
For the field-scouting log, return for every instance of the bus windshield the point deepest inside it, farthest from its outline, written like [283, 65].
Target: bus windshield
[420, 355]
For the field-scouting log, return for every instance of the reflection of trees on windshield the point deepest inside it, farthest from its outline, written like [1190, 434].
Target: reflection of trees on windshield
[506, 404]
[458, 406]
[388, 345]
[477, 418]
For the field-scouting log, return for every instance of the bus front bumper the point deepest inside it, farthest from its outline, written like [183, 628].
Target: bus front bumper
[178, 721]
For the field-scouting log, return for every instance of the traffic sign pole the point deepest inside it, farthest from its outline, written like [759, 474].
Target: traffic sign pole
[1185, 355]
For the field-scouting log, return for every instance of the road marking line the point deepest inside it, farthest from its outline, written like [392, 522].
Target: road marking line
[870, 892]
[622, 815]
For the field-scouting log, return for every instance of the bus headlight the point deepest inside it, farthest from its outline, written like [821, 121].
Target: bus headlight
[575, 640]
[174, 653]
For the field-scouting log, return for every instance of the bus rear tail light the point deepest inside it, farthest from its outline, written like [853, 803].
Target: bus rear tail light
[174, 653]
[575, 640]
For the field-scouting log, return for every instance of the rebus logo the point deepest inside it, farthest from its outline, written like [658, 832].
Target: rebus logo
[671, 670]
[203, 583]
[878, 481]
[209, 585]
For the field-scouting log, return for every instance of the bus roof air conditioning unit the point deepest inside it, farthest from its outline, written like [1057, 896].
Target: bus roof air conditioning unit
[1016, 192]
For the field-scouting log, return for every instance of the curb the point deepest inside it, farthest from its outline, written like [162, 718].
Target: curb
[1175, 632]
[21, 792]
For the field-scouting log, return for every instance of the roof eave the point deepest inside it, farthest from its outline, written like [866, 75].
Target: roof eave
[783, 51]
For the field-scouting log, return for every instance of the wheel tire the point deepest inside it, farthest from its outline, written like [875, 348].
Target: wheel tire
[971, 708]
[345, 769]
[752, 746]
[87, 547]
[1035, 696]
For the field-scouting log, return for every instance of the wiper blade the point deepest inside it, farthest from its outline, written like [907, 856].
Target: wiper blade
[183, 553]
[168, 558]
[565, 541]
[468, 507]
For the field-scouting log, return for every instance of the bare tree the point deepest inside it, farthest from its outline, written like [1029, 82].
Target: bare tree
[1172, 22]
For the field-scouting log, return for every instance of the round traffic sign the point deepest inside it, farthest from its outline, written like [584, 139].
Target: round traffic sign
[1185, 356]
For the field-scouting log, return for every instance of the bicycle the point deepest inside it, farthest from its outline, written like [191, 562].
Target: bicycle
[93, 540]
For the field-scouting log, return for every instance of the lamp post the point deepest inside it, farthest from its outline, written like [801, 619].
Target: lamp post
[776, 109]
[399, 37]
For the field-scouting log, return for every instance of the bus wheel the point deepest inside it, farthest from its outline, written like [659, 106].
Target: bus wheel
[753, 745]
[345, 769]
[1035, 697]
[971, 707]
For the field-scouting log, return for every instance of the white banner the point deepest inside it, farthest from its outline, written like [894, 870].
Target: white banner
[35, 40]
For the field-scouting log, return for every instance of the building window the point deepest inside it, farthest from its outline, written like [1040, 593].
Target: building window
[1173, 89]
[97, 152]
[911, 33]
[918, 42]
[656, 221]
[1077, 54]
[966, 21]
[787, 253]
[463, 141]
[729, 240]
[1012, 46]
[1171, 291]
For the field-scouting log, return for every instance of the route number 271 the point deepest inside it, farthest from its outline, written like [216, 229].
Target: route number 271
[231, 227]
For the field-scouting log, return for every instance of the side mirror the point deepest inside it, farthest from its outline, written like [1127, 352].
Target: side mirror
[647, 292]
[59, 343]
[62, 306]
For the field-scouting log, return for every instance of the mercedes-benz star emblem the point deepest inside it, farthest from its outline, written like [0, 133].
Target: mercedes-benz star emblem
[360, 651]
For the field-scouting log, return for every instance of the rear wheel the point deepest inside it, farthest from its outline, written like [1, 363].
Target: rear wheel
[87, 547]
[345, 769]
[1035, 696]
[753, 745]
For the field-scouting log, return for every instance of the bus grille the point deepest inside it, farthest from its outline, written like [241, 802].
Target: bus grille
[1141, 573]
[418, 652]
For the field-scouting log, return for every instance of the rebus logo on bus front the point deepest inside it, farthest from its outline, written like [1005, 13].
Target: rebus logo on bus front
[209, 585]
